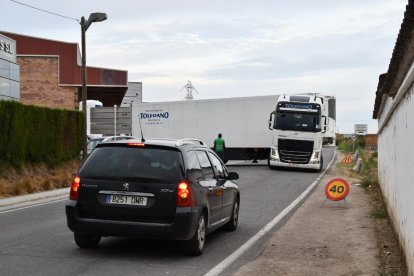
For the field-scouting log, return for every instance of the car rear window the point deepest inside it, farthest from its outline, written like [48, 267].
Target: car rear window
[134, 163]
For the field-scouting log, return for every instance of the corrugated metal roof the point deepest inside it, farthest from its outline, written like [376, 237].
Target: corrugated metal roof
[401, 60]
[69, 69]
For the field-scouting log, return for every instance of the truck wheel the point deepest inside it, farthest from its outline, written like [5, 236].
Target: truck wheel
[86, 240]
[195, 245]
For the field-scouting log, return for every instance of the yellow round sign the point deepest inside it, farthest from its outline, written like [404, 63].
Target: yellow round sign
[336, 189]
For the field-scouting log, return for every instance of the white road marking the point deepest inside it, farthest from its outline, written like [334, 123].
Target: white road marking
[247, 245]
[31, 206]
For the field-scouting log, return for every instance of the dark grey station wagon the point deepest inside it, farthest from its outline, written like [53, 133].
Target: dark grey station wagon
[161, 189]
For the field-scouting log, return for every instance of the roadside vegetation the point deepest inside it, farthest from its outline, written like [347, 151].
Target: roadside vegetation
[38, 135]
[28, 179]
[391, 255]
[38, 147]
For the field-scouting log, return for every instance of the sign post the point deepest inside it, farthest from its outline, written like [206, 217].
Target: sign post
[337, 189]
[353, 143]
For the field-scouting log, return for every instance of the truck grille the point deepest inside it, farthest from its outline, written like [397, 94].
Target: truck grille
[295, 151]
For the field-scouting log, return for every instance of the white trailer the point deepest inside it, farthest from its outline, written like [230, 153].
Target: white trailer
[243, 122]
[329, 111]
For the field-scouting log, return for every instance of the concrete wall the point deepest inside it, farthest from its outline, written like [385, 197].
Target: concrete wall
[39, 83]
[396, 163]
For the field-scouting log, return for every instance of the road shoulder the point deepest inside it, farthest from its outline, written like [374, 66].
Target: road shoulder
[33, 199]
[330, 240]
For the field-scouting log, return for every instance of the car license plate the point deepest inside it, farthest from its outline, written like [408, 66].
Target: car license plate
[126, 200]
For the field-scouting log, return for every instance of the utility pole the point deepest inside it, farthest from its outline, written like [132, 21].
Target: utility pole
[84, 90]
[85, 24]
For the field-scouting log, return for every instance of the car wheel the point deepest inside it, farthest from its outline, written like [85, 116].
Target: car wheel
[87, 240]
[234, 220]
[195, 245]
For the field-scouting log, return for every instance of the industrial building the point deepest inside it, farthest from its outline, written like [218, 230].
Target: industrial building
[50, 74]
[394, 110]
[9, 70]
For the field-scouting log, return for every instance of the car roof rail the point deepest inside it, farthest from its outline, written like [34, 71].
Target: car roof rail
[189, 141]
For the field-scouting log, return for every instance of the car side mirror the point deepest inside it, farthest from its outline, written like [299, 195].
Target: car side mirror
[233, 176]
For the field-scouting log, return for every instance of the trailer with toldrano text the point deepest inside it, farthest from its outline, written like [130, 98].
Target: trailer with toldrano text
[242, 121]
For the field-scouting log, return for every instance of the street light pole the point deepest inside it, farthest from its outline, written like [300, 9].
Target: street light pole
[84, 90]
[93, 17]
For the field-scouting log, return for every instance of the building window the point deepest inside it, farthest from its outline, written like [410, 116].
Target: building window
[14, 72]
[4, 68]
[9, 80]
[15, 90]
[9, 89]
[5, 87]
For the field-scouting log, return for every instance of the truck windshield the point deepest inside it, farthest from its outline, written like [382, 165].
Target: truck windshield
[297, 121]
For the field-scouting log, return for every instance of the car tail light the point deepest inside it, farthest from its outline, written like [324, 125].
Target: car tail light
[135, 144]
[185, 196]
[74, 190]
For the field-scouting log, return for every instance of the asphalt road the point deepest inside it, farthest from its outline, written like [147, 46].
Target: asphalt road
[36, 240]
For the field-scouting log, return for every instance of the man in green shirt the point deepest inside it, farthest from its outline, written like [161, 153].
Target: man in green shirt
[219, 146]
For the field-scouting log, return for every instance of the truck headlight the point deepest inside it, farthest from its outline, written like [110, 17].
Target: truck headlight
[274, 155]
[315, 157]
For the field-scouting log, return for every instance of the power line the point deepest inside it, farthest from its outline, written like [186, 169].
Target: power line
[71, 18]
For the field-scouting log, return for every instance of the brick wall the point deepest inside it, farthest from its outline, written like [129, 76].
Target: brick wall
[39, 83]
[371, 141]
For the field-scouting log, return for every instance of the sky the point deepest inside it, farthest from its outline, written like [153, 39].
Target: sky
[232, 48]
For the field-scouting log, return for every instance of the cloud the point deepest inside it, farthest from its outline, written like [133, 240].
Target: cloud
[233, 47]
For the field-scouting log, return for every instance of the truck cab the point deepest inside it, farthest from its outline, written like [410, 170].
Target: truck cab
[297, 127]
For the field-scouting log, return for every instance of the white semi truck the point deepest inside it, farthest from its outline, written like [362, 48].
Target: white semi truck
[242, 122]
[299, 127]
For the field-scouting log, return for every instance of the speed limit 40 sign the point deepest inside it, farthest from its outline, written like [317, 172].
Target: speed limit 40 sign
[336, 189]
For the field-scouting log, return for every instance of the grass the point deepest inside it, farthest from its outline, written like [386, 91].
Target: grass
[379, 214]
[368, 181]
[30, 179]
[345, 147]
[368, 178]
